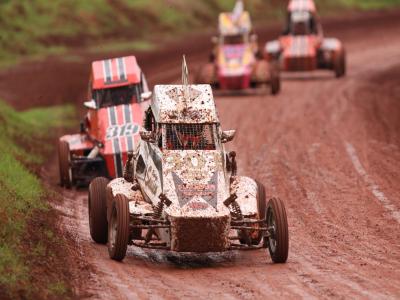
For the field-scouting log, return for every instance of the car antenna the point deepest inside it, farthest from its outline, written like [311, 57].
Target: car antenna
[237, 11]
[185, 82]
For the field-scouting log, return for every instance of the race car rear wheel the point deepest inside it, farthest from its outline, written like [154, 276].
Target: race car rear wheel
[97, 207]
[118, 228]
[64, 160]
[276, 222]
[339, 64]
[275, 78]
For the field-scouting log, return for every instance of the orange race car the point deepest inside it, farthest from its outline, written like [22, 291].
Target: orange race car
[236, 62]
[117, 90]
[302, 46]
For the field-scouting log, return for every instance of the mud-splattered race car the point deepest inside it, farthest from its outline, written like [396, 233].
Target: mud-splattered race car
[302, 47]
[236, 63]
[117, 89]
[180, 190]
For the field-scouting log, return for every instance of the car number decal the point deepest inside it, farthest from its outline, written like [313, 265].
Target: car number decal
[122, 130]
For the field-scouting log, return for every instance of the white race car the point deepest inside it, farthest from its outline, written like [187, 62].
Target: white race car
[180, 190]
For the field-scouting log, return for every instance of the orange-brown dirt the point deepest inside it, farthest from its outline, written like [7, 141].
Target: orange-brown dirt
[329, 148]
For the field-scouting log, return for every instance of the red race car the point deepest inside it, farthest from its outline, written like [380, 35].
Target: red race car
[118, 90]
[303, 47]
[236, 63]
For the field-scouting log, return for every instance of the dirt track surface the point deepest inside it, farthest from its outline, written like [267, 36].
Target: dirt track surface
[329, 148]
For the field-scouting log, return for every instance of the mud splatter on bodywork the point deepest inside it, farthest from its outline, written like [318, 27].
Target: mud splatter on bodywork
[137, 204]
[171, 106]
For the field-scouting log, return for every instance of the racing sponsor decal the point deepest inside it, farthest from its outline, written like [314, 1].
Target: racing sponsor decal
[187, 191]
[197, 205]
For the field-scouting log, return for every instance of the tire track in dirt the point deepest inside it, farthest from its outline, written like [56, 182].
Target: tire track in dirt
[375, 190]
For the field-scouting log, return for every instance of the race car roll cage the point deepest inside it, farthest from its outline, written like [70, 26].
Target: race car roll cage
[308, 19]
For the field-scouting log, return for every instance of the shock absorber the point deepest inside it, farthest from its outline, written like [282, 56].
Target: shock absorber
[237, 212]
[158, 210]
[231, 203]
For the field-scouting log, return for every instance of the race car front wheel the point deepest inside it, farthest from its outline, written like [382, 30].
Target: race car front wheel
[118, 228]
[97, 208]
[278, 239]
[64, 160]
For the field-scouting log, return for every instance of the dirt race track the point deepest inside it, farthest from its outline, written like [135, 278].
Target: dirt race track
[329, 148]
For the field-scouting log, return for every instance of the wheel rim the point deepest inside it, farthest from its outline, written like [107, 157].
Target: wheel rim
[112, 230]
[272, 230]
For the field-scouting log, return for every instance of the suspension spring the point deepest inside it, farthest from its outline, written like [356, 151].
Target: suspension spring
[158, 209]
[237, 212]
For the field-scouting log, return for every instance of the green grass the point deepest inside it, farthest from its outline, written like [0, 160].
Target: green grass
[116, 46]
[57, 288]
[370, 4]
[21, 193]
[42, 27]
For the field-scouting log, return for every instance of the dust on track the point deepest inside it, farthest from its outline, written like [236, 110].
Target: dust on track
[344, 241]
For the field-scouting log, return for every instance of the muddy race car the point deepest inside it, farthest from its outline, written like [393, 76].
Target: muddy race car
[236, 62]
[180, 190]
[117, 89]
[302, 46]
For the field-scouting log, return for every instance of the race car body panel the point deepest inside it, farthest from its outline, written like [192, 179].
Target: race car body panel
[195, 183]
[118, 131]
[115, 72]
[300, 53]
[235, 66]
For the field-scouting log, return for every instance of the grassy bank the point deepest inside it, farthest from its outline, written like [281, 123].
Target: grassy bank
[39, 27]
[27, 240]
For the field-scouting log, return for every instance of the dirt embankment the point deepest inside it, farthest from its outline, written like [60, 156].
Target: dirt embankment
[329, 148]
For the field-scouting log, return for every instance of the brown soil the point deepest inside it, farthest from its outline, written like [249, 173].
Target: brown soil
[329, 148]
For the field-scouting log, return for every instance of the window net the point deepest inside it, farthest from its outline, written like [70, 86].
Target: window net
[189, 137]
